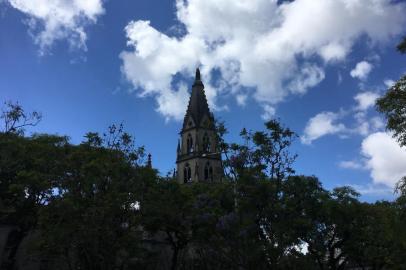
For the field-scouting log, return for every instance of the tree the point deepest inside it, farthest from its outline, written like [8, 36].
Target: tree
[167, 211]
[393, 106]
[92, 220]
[97, 205]
[402, 46]
[333, 227]
[15, 119]
[258, 167]
[263, 153]
[29, 170]
[374, 241]
[182, 223]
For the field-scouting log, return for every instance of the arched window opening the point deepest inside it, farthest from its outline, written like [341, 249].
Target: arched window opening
[206, 171]
[206, 143]
[189, 143]
[187, 174]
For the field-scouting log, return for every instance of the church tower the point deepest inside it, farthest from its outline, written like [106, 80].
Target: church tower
[198, 156]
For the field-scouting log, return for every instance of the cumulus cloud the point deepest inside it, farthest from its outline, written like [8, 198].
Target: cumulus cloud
[320, 125]
[389, 83]
[361, 70]
[271, 49]
[366, 100]
[173, 101]
[373, 189]
[326, 123]
[382, 156]
[377, 122]
[364, 124]
[53, 20]
[269, 112]
[241, 99]
[308, 77]
[385, 158]
[351, 164]
[380, 152]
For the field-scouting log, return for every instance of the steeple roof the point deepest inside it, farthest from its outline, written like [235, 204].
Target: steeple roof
[198, 106]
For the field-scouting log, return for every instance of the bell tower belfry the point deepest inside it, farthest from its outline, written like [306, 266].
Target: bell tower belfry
[198, 156]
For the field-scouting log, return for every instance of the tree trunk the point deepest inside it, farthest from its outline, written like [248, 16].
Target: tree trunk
[175, 258]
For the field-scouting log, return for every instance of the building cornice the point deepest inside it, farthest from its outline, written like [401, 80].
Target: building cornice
[200, 155]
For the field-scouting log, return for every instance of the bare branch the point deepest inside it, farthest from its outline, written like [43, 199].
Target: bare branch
[15, 119]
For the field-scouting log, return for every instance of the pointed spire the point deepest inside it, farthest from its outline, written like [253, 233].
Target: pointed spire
[197, 107]
[198, 74]
[149, 162]
[198, 80]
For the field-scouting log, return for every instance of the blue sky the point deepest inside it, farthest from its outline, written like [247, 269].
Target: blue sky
[318, 65]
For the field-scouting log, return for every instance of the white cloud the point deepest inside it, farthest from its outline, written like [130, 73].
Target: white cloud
[241, 99]
[333, 52]
[361, 70]
[269, 112]
[362, 125]
[308, 77]
[350, 164]
[320, 125]
[53, 20]
[385, 158]
[365, 125]
[377, 123]
[366, 100]
[373, 189]
[389, 83]
[326, 123]
[172, 102]
[255, 44]
[339, 78]
[381, 154]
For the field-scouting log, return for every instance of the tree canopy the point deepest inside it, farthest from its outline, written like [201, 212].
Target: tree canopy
[393, 106]
[97, 205]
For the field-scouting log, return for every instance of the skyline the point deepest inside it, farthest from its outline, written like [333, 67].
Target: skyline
[86, 66]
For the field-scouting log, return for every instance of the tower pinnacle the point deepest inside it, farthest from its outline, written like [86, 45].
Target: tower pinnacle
[149, 161]
[198, 80]
[198, 74]
[198, 158]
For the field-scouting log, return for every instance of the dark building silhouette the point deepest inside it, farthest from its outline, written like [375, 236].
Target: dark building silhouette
[198, 156]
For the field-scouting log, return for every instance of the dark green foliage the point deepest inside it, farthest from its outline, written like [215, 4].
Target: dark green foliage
[393, 106]
[29, 170]
[263, 153]
[97, 206]
[402, 46]
[92, 221]
[82, 199]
